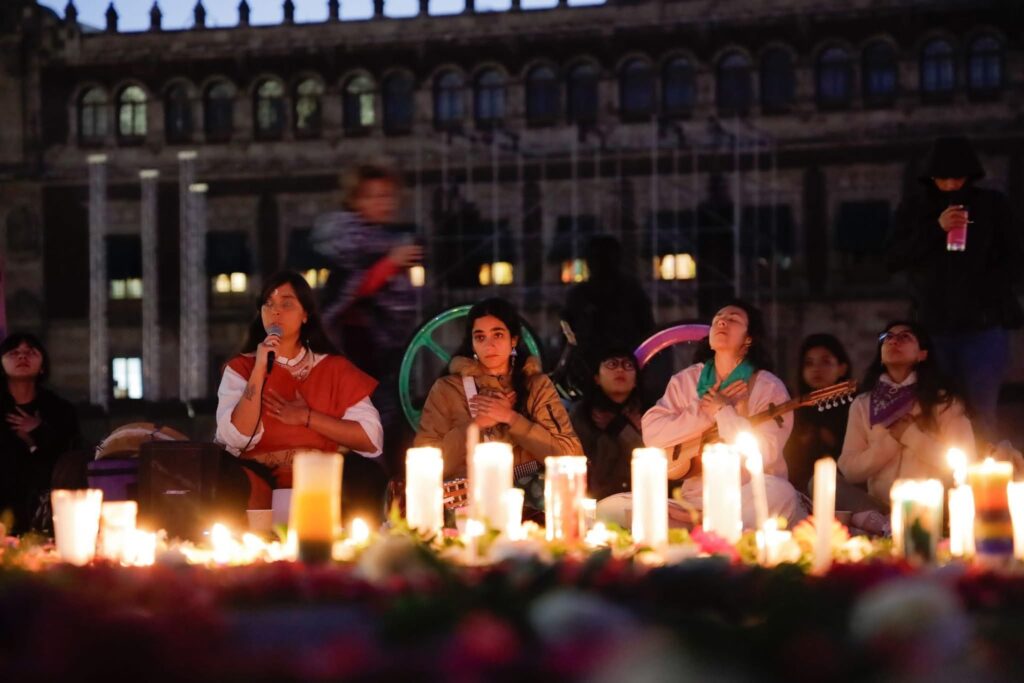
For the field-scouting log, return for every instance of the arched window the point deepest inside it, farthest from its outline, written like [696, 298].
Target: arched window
[269, 110]
[309, 108]
[878, 72]
[636, 89]
[358, 104]
[583, 96]
[542, 96]
[398, 103]
[448, 99]
[733, 84]
[178, 114]
[835, 78]
[938, 75]
[679, 92]
[985, 65]
[92, 116]
[489, 98]
[778, 83]
[219, 111]
[131, 113]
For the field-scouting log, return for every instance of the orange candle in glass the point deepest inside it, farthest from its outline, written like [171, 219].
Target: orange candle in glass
[993, 528]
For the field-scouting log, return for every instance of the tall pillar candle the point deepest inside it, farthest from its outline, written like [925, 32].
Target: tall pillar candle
[1015, 495]
[424, 494]
[961, 507]
[316, 503]
[993, 527]
[916, 517]
[722, 513]
[824, 512]
[491, 477]
[565, 487]
[751, 452]
[650, 496]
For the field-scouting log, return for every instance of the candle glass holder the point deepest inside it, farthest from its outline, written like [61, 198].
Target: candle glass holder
[565, 487]
[917, 518]
[316, 504]
[993, 526]
[76, 523]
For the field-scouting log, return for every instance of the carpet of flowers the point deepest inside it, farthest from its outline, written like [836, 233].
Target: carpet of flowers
[406, 609]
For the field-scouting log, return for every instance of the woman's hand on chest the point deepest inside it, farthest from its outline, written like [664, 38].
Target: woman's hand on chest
[292, 412]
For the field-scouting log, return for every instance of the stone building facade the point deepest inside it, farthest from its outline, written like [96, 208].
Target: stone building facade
[519, 134]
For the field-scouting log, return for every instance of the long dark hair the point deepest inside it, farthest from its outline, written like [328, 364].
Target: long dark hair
[831, 344]
[506, 313]
[757, 352]
[934, 388]
[15, 340]
[311, 334]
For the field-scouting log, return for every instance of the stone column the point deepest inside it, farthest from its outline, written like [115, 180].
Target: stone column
[99, 287]
[186, 336]
[199, 339]
[150, 287]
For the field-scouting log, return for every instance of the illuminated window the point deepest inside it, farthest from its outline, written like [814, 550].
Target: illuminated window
[231, 283]
[127, 288]
[498, 273]
[316, 277]
[575, 270]
[418, 276]
[675, 267]
[127, 376]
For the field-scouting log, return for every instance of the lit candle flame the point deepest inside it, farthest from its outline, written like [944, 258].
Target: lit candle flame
[748, 446]
[957, 460]
[598, 536]
[360, 532]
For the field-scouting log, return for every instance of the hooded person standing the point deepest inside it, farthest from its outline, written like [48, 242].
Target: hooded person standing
[962, 291]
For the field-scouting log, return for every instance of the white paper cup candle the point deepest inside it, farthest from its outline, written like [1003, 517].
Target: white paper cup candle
[76, 523]
[117, 528]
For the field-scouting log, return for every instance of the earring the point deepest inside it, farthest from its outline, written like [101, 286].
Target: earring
[476, 357]
[514, 354]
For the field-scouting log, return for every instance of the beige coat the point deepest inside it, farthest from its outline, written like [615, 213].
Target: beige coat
[544, 430]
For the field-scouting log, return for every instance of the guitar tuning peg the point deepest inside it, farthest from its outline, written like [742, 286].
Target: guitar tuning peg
[821, 408]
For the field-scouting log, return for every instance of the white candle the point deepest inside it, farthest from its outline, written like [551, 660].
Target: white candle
[650, 497]
[721, 464]
[76, 523]
[961, 507]
[590, 512]
[771, 540]
[116, 529]
[1015, 494]
[824, 512]
[424, 494]
[472, 439]
[565, 487]
[916, 517]
[140, 550]
[492, 476]
[513, 502]
[747, 445]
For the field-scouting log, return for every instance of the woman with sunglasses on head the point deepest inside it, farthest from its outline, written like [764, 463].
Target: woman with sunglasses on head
[729, 382]
[608, 421]
[306, 397]
[495, 384]
[38, 427]
[903, 423]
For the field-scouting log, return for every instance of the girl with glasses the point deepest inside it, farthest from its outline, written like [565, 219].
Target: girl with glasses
[903, 423]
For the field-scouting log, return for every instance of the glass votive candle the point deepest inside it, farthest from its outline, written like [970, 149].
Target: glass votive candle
[565, 487]
[916, 517]
[316, 504]
[117, 524]
[76, 523]
[993, 527]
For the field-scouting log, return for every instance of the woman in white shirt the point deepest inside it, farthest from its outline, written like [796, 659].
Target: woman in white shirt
[903, 423]
[729, 382]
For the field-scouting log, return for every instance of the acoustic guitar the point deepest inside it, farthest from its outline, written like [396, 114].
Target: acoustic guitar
[684, 460]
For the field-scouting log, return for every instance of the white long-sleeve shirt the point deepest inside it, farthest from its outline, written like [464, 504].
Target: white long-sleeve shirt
[676, 417]
[232, 385]
[873, 455]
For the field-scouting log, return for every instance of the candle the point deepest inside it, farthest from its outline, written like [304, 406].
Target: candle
[650, 496]
[76, 523]
[589, 513]
[1015, 496]
[916, 517]
[316, 503]
[824, 513]
[513, 501]
[747, 445]
[565, 487]
[140, 549]
[491, 477]
[359, 533]
[472, 439]
[117, 524]
[771, 541]
[993, 527]
[424, 494]
[961, 507]
[721, 499]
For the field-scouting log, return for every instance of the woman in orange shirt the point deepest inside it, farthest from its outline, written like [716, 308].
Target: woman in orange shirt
[305, 397]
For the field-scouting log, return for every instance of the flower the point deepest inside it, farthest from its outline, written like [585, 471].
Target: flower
[806, 534]
[713, 544]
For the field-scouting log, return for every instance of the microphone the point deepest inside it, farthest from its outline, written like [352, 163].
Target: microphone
[273, 329]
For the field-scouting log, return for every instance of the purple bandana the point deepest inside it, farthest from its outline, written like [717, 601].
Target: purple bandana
[889, 403]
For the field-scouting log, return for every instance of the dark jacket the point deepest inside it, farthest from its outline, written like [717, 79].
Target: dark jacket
[609, 449]
[816, 434]
[958, 291]
[25, 475]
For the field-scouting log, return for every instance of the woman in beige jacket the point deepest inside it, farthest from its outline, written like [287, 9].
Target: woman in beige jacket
[495, 384]
[903, 423]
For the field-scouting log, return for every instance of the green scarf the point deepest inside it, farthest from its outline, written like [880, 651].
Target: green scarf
[741, 373]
